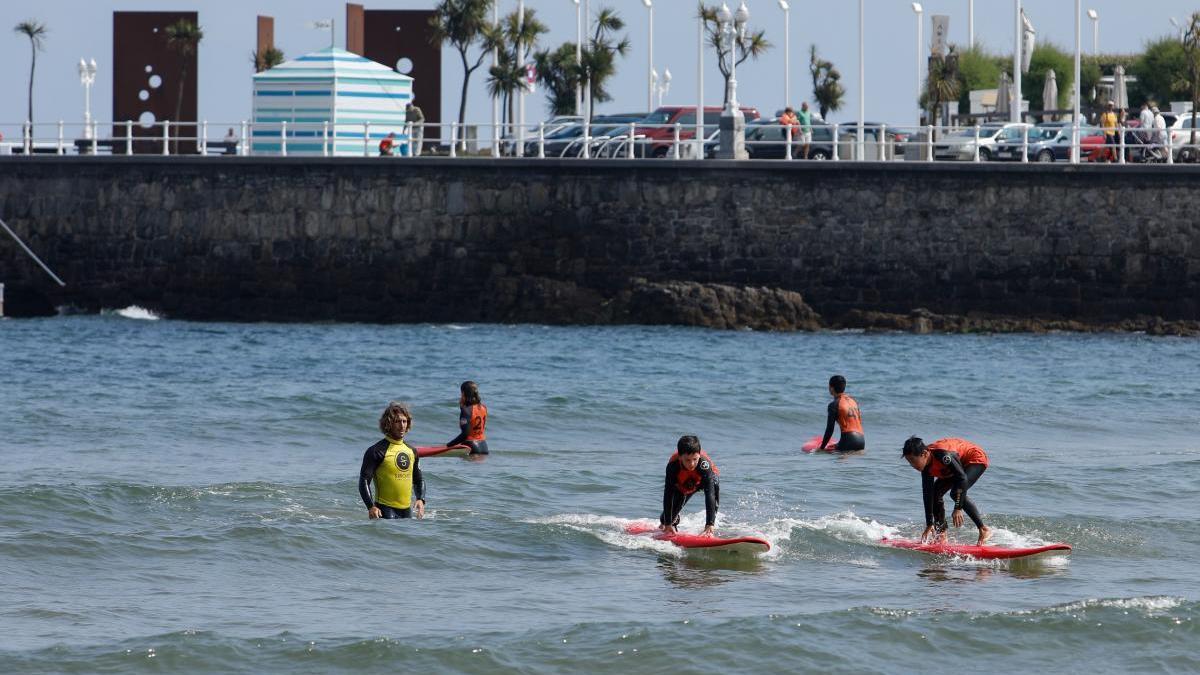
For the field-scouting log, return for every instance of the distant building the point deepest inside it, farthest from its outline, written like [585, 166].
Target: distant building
[327, 99]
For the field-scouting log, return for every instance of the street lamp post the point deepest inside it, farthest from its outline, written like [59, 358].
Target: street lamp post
[1095, 17]
[970, 23]
[1015, 110]
[1078, 59]
[665, 86]
[699, 140]
[87, 77]
[733, 123]
[862, 83]
[521, 89]
[787, 53]
[496, 99]
[578, 60]
[650, 56]
[920, 12]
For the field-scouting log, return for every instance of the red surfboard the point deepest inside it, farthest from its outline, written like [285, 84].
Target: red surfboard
[812, 443]
[979, 552]
[443, 451]
[743, 545]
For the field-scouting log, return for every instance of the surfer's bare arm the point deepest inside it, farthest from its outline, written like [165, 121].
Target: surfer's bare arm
[830, 420]
[464, 426]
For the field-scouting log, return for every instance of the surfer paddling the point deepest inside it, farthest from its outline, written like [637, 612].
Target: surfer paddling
[843, 411]
[690, 470]
[947, 465]
[472, 421]
[394, 468]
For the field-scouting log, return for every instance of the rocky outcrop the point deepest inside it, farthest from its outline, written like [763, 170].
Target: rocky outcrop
[923, 321]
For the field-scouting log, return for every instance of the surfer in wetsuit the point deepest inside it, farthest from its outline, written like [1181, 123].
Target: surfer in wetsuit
[472, 421]
[947, 465]
[394, 468]
[843, 410]
[689, 470]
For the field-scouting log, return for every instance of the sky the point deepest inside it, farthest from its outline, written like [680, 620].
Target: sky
[83, 28]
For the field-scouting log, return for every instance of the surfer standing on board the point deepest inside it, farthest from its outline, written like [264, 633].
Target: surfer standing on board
[844, 411]
[690, 469]
[472, 421]
[395, 469]
[947, 465]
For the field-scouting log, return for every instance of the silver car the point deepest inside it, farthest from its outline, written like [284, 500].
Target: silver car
[960, 145]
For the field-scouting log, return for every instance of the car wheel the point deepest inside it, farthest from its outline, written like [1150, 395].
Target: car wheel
[819, 155]
[985, 155]
[1045, 156]
[660, 153]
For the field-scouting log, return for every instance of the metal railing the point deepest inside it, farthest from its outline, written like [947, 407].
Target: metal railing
[607, 140]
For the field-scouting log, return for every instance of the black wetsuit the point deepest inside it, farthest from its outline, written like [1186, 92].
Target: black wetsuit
[464, 425]
[849, 440]
[933, 490]
[674, 497]
[371, 459]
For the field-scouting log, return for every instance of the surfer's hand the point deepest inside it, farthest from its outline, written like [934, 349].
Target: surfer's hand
[957, 517]
[420, 506]
[374, 512]
[708, 531]
[669, 529]
[927, 534]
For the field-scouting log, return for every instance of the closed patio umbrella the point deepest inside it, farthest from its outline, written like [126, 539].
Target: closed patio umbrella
[1003, 96]
[1120, 93]
[1050, 95]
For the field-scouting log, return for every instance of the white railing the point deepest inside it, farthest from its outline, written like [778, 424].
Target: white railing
[602, 139]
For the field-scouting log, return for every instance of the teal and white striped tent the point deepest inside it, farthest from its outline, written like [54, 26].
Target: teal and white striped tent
[330, 100]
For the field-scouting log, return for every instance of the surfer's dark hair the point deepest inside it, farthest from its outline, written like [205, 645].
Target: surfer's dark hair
[838, 384]
[470, 392]
[392, 415]
[912, 447]
[688, 445]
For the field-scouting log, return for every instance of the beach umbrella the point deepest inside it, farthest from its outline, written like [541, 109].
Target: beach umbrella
[1050, 94]
[1003, 94]
[1120, 94]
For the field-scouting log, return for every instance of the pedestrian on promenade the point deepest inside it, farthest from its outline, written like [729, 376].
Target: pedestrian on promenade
[791, 128]
[416, 130]
[805, 127]
[1160, 128]
[1108, 122]
[387, 144]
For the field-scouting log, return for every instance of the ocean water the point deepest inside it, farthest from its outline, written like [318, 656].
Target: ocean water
[180, 497]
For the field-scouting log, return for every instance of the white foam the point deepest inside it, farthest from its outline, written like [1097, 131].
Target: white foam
[137, 313]
[1152, 604]
[851, 528]
[610, 530]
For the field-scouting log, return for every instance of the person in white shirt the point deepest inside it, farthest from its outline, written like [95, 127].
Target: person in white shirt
[1160, 126]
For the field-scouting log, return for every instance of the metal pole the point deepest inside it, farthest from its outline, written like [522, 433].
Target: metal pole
[675, 143]
[283, 139]
[699, 140]
[862, 80]
[587, 90]
[578, 61]
[970, 23]
[204, 138]
[522, 89]
[128, 137]
[1075, 118]
[31, 254]
[325, 138]
[94, 148]
[59, 150]
[245, 140]
[650, 61]
[787, 55]
[496, 99]
[920, 48]
[541, 140]
[166, 137]
[1096, 35]
[1015, 112]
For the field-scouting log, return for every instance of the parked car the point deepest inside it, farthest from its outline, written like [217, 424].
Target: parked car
[1180, 134]
[960, 145]
[767, 139]
[566, 141]
[1048, 142]
[658, 127]
[508, 142]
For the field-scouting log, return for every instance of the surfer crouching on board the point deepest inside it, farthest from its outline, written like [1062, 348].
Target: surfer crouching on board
[690, 469]
[947, 465]
[395, 469]
[472, 421]
[844, 411]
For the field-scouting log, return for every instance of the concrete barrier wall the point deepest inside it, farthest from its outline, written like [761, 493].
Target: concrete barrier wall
[528, 240]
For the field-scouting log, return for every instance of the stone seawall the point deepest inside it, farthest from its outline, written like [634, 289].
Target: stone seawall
[571, 242]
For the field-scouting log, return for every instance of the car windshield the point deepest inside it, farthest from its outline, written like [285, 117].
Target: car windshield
[657, 117]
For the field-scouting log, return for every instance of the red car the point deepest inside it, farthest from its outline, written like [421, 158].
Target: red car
[658, 128]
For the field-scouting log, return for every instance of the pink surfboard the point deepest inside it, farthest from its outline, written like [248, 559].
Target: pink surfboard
[443, 451]
[812, 443]
[742, 545]
[979, 552]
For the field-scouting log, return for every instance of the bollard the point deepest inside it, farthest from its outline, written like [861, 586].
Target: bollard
[166, 137]
[1025, 145]
[675, 144]
[975, 155]
[128, 137]
[541, 140]
[283, 139]
[836, 150]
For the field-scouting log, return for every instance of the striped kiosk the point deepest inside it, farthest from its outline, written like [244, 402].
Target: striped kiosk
[330, 102]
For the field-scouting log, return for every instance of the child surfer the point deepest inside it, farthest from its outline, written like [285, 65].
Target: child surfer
[947, 465]
[844, 411]
[472, 421]
[394, 468]
[689, 470]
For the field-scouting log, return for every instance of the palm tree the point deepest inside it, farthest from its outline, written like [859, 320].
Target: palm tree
[464, 23]
[266, 59]
[1191, 50]
[560, 75]
[827, 86]
[943, 83]
[599, 58]
[36, 32]
[752, 44]
[508, 75]
[184, 38]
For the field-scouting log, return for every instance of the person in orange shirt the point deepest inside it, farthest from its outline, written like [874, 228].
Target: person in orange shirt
[689, 471]
[472, 421]
[843, 411]
[947, 465]
[789, 119]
